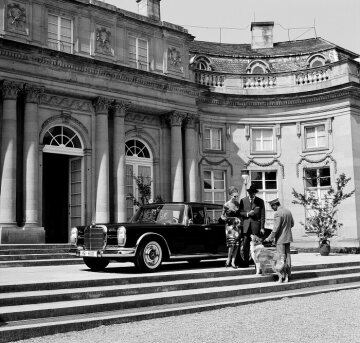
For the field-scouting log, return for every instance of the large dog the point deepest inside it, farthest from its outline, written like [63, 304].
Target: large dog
[265, 258]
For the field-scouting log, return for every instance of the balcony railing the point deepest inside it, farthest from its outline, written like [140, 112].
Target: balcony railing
[288, 82]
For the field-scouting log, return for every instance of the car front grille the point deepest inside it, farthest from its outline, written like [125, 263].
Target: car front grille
[94, 238]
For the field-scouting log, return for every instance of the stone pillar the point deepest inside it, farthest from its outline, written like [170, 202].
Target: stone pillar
[119, 161]
[176, 120]
[102, 204]
[191, 168]
[8, 155]
[31, 157]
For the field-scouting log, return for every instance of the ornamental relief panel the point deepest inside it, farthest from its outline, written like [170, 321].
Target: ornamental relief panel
[103, 41]
[174, 60]
[66, 103]
[16, 17]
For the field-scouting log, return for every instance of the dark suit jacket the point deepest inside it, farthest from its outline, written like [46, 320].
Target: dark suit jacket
[255, 223]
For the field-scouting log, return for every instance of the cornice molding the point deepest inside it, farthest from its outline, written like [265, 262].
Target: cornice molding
[278, 101]
[121, 73]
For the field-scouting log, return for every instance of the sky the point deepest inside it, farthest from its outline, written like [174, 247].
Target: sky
[334, 20]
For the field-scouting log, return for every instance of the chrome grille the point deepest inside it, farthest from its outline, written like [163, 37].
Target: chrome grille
[94, 238]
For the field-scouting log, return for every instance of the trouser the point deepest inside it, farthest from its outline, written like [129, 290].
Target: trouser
[284, 249]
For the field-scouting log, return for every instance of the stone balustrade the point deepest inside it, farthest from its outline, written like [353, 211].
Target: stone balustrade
[288, 82]
[313, 76]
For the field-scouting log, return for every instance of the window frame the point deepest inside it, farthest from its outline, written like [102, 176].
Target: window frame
[59, 42]
[136, 61]
[266, 194]
[304, 135]
[214, 190]
[262, 152]
[211, 147]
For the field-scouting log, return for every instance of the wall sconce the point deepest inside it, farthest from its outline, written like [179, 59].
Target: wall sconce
[245, 175]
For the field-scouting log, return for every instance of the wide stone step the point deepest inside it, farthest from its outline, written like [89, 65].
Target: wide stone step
[48, 326]
[96, 292]
[35, 246]
[34, 251]
[64, 308]
[69, 260]
[34, 257]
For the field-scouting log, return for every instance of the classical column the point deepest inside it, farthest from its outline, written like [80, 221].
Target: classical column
[102, 205]
[8, 154]
[191, 148]
[31, 156]
[119, 161]
[176, 120]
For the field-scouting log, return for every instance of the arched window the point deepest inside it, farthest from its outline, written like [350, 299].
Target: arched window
[201, 63]
[257, 67]
[62, 139]
[139, 162]
[316, 61]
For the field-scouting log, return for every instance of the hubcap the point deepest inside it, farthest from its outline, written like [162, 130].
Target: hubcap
[152, 254]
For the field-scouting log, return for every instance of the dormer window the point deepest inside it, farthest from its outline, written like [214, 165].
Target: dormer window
[201, 63]
[257, 67]
[316, 61]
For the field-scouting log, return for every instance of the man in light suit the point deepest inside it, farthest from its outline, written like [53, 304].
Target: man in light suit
[252, 213]
[283, 222]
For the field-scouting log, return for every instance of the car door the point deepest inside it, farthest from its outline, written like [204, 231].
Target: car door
[196, 233]
[216, 239]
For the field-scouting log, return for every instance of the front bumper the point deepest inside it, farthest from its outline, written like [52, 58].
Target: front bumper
[107, 253]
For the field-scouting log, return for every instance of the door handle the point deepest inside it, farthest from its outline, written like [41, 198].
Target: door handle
[208, 229]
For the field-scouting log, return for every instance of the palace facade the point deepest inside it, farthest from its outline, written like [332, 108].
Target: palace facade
[93, 95]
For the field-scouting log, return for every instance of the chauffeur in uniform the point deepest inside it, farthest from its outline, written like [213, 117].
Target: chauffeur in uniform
[252, 213]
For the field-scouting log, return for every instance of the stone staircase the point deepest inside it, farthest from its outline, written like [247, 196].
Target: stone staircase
[44, 307]
[26, 255]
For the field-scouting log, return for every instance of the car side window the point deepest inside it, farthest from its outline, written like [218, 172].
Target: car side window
[198, 215]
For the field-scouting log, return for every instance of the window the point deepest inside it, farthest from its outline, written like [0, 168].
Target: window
[317, 180]
[60, 33]
[316, 61]
[257, 67]
[212, 139]
[266, 183]
[139, 162]
[262, 140]
[214, 189]
[315, 137]
[138, 53]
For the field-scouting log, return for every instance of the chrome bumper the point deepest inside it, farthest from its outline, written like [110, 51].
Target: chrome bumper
[118, 253]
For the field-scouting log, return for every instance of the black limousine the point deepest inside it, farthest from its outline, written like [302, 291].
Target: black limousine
[158, 232]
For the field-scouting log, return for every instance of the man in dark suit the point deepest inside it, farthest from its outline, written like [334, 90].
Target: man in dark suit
[252, 213]
[283, 222]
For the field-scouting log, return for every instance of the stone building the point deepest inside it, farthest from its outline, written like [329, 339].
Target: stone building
[93, 94]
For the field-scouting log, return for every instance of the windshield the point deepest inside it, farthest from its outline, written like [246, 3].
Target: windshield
[160, 213]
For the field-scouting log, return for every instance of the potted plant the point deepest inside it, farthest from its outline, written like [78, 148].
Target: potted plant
[322, 218]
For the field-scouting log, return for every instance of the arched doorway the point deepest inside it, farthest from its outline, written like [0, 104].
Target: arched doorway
[139, 162]
[63, 182]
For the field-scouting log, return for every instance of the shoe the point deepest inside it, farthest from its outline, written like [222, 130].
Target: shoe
[227, 264]
[235, 267]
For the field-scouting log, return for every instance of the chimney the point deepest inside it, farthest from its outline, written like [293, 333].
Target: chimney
[262, 35]
[149, 8]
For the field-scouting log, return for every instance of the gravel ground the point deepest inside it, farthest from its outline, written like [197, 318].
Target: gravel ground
[324, 318]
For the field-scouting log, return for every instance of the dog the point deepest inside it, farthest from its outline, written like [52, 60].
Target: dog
[263, 258]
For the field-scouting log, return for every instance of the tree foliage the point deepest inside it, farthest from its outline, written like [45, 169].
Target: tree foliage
[322, 219]
[144, 188]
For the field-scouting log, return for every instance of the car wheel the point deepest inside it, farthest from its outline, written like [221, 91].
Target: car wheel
[149, 256]
[96, 264]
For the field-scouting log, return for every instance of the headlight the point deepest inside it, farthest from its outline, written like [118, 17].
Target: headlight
[74, 235]
[121, 236]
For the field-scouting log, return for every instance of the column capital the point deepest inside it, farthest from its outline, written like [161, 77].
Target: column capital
[121, 107]
[191, 120]
[32, 93]
[102, 105]
[176, 118]
[10, 89]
